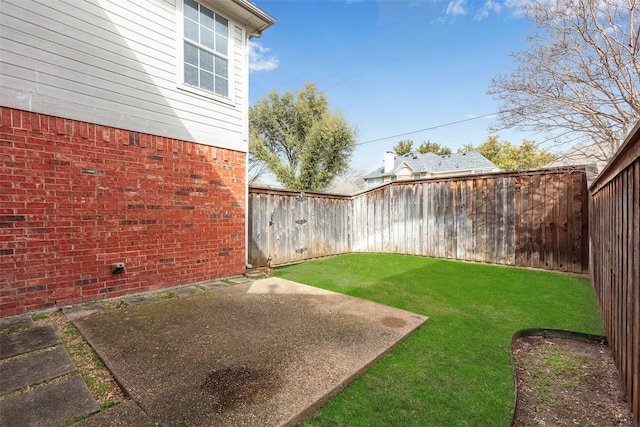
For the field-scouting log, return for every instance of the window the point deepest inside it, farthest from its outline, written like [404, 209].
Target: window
[417, 175]
[206, 49]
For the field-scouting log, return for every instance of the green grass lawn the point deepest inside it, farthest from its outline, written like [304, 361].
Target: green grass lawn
[455, 370]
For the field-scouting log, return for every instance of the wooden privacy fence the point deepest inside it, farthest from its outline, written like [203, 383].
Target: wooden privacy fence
[529, 219]
[615, 257]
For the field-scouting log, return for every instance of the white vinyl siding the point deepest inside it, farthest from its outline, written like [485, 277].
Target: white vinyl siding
[116, 64]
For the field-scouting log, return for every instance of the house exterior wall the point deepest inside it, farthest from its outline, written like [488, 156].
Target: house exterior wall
[76, 197]
[106, 156]
[117, 64]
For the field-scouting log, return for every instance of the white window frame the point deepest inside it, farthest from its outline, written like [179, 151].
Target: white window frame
[180, 60]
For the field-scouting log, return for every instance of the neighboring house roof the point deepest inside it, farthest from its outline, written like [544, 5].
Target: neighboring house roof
[432, 163]
[591, 156]
[338, 186]
[342, 187]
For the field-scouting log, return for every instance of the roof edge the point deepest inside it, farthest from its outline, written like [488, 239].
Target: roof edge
[267, 20]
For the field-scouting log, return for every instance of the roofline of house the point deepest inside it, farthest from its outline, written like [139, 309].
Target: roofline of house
[432, 172]
[267, 20]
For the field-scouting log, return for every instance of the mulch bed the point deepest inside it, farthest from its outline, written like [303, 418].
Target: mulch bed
[567, 382]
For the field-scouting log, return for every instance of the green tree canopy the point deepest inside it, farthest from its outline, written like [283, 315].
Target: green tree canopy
[511, 157]
[433, 147]
[403, 147]
[303, 143]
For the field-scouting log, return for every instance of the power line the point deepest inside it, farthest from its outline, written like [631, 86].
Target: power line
[429, 128]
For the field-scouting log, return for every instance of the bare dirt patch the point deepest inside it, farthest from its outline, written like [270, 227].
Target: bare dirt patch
[567, 382]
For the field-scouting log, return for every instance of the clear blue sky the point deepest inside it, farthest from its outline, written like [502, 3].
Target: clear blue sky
[394, 66]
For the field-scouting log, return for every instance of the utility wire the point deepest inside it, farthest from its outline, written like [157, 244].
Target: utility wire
[429, 128]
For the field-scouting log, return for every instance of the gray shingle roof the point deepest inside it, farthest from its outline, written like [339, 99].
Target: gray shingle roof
[433, 163]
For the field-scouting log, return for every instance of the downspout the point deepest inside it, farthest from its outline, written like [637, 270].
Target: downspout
[246, 160]
[246, 138]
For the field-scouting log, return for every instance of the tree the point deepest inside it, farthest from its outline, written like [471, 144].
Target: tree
[303, 143]
[353, 176]
[256, 169]
[580, 77]
[433, 147]
[403, 147]
[510, 157]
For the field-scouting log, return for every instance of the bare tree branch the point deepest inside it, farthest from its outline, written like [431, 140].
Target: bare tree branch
[579, 77]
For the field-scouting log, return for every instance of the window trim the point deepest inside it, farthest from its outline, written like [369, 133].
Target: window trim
[230, 99]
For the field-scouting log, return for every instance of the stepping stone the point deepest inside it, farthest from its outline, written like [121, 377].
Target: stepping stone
[127, 413]
[213, 285]
[24, 321]
[139, 299]
[255, 274]
[50, 405]
[239, 280]
[25, 371]
[78, 311]
[28, 340]
[187, 290]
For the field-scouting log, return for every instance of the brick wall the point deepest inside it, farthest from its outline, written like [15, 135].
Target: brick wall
[77, 197]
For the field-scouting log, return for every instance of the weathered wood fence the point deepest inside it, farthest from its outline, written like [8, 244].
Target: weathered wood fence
[529, 219]
[615, 260]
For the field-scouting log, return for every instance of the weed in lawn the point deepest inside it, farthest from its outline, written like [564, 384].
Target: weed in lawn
[165, 295]
[12, 329]
[39, 316]
[557, 369]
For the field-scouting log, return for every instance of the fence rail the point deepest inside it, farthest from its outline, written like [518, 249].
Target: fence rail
[528, 219]
[615, 255]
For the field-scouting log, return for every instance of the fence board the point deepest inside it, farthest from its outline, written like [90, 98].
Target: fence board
[506, 218]
[614, 230]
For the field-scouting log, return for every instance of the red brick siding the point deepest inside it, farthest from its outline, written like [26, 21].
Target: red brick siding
[77, 197]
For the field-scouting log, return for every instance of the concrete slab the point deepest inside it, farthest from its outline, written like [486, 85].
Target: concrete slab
[139, 299]
[186, 290]
[33, 369]
[22, 321]
[28, 340]
[78, 311]
[49, 405]
[265, 354]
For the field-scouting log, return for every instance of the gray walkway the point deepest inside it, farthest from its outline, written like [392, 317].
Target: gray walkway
[36, 375]
[268, 352]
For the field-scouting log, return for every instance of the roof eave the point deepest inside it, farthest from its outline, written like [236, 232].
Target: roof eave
[256, 19]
